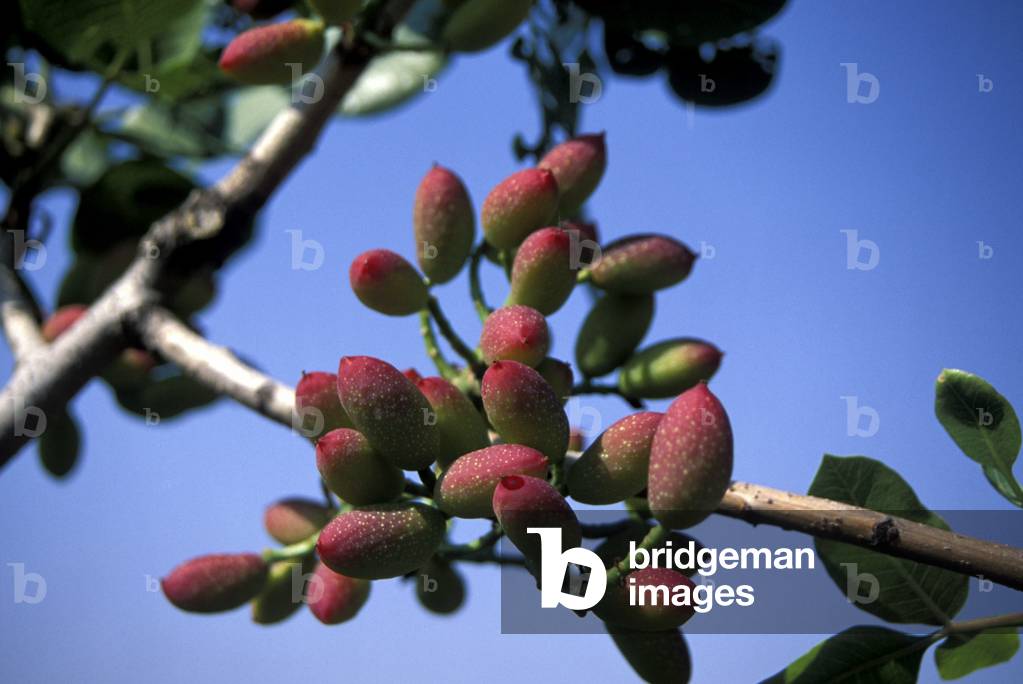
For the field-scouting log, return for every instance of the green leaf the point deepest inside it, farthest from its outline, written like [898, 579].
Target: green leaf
[983, 424]
[393, 77]
[85, 159]
[906, 591]
[250, 111]
[91, 31]
[190, 129]
[959, 655]
[865, 655]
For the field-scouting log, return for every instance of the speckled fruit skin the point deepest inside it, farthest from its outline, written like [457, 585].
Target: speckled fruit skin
[334, 598]
[289, 521]
[377, 542]
[521, 502]
[282, 595]
[615, 466]
[515, 333]
[518, 205]
[558, 375]
[657, 657]
[389, 411]
[444, 224]
[479, 24]
[215, 583]
[615, 608]
[387, 283]
[611, 331]
[690, 459]
[353, 471]
[316, 397]
[578, 165]
[642, 264]
[260, 56]
[62, 319]
[466, 489]
[440, 588]
[462, 428]
[669, 368]
[523, 409]
[542, 276]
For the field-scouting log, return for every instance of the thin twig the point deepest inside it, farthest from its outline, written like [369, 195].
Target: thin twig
[456, 342]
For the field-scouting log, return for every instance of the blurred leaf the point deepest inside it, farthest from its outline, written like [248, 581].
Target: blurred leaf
[693, 21]
[393, 77]
[959, 655]
[864, 655]
[91, 31]
[190, 129]
[250, 111]
[60, 444]
[124, 201]
[983, 424]
[175, 395]
[77, 284]
[734, 75]
[85, 159]
[907, 592]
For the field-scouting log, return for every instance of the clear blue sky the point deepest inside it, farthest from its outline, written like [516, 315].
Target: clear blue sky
[928, 170]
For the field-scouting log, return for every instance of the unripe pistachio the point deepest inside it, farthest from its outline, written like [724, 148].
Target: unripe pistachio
[521, 502]
[518, 205]
[668, 368]
[444, 224]
[262, 55]
[558, 375]
[578, 165]
[318, 409]
[690, 459]
[387, 283]
[466, 489]
[641, 264]
[60, 444]
[389, 411]
[615, 466]
[440, 588]
[580, 230]
[377, 542]
[62, 319]
[542, 275]
[479, 24]
[335, 598]
[612, 330]
[215, 583]
[289, 521]
[515, 333]
[523, 409]
[657, 614]
[353, 471]
[336, 12]
[282, 595]
[462, 428]
[412, 374]
[657, 657]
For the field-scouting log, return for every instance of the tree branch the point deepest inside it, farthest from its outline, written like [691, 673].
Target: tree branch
[880, 532]
[752, 503]
[214, 366]
[47, 377]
